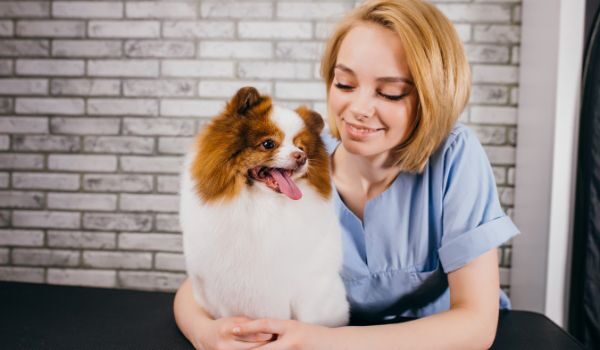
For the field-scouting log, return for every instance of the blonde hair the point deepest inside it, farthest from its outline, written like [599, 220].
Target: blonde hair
[437, 63]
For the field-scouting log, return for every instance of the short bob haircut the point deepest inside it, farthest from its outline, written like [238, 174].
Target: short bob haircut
[437, 63]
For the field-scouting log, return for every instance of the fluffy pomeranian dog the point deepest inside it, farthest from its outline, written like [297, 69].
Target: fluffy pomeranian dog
[260, 235]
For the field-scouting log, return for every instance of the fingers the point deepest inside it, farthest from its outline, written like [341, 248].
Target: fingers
[259, 326]
[259, 337]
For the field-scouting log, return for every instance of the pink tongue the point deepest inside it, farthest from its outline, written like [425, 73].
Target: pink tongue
[286, 185]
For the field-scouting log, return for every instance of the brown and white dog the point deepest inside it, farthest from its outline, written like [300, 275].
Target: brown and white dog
[261, 237]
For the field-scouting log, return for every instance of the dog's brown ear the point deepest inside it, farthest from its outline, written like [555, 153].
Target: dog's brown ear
[244, 99]
[312, 119]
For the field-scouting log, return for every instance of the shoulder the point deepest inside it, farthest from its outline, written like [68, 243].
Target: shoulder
[330, 142]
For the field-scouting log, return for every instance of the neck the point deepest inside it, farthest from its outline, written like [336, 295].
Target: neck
[369, 173]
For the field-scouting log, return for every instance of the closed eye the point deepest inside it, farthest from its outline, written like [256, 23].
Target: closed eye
[343, 87]
[392, 97]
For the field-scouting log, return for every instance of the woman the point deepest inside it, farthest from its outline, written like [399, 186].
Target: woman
[415, 194]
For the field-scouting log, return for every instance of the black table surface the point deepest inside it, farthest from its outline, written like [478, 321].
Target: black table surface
[41, 316]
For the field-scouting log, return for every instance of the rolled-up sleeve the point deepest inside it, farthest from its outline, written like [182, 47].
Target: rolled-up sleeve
[473, 221]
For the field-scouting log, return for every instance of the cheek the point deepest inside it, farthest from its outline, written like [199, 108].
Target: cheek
[337, 101]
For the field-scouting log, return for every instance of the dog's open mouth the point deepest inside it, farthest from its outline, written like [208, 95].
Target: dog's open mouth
[277, 179]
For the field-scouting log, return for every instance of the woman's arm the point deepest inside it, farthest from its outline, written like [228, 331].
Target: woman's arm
[469, 324]
[206, 333]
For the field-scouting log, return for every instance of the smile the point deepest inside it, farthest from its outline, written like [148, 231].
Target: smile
[357, 130]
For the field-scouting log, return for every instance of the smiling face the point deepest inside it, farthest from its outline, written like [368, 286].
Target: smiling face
[372, 97]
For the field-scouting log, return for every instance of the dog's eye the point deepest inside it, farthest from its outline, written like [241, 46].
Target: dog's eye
[268, 144]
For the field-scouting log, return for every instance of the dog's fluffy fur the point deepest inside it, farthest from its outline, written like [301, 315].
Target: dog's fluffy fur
[252, 246]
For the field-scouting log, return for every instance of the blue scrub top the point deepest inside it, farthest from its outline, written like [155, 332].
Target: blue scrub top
[419, 229]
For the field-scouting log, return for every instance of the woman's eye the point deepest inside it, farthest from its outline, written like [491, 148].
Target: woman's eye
[392, 97]
[343, 86]
[268, 144]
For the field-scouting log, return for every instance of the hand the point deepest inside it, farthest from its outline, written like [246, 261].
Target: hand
[218, 334]
[290, 334]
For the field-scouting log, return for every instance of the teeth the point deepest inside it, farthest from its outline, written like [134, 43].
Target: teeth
[361, 130]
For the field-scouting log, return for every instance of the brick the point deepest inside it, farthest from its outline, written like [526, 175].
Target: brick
[159, 48]
[236, 9]
[274, 70]
[516, 14]
[511, 176]
[299, 50]
[476, 13]
[21, 238]
[4, 218]
[500, 155]
[492, 94]
[117, 222]
[151, 164]
[24, 125]
[154, 9]
[323, 30]
[87, 9]
[199, 29]
[17, 9]
[499, 175]
[490, 135]
[197, 68]
[109, 106]
[150, 241]
[506, 195]
[124, 29]
[495, 74]
[117, 183]
[82, 163]
[52, 29]
[22, 48]
[4, 142]
[497, 33]
[516, 55]
[149, 202]
[23, 86]
[487, 53]
[4, 257]
[50, 67]
[512, 136]
[274, 30]
[123, 68]
[6, 28]
[86, 48]
[4, 180]
[167, 184]
[312, 10]
[160, 281]
[145, 87]
[190, 108]
[226, 89]
[69, 106]
[6, 105]
[117, 260]
[6, 67]
[157, 126]
[174, 145]
[46, 143]
[494, 115]
[14, 161]
[85, 87]
[87, 126]
[45, 257]
[300, 90]
[118, 144]
[22, 274]
[167, 222]
[168, 261]
[45, 219]
[82, 201]
[82, 239]
[235, 49]
[45, 181]
[22, 200]
[81, 277]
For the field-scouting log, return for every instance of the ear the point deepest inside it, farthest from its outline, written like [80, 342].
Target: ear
[244, 99]
[312, 119]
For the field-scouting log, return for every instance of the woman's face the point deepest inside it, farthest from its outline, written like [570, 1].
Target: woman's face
[372, 96]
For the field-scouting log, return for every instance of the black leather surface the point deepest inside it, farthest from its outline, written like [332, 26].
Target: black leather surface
[39, 316]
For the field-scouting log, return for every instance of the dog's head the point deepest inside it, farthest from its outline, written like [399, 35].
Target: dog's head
[255, 143]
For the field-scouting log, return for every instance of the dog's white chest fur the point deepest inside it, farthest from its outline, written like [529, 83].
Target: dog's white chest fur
[263, 255]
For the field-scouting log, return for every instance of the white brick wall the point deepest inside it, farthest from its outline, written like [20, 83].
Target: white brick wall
[100, 99]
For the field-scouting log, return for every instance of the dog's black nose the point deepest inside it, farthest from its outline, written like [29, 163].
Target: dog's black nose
[300, 158]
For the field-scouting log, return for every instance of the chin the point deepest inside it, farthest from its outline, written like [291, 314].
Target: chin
[261, 237]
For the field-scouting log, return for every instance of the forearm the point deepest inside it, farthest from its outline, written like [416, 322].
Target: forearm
[455, 329]
[188, 314]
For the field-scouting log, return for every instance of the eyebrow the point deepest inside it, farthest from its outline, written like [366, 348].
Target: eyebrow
[384, 79]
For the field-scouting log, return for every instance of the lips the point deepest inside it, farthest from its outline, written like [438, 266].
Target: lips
[360, 131]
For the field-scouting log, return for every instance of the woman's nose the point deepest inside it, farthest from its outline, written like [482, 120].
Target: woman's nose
[362, 106]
